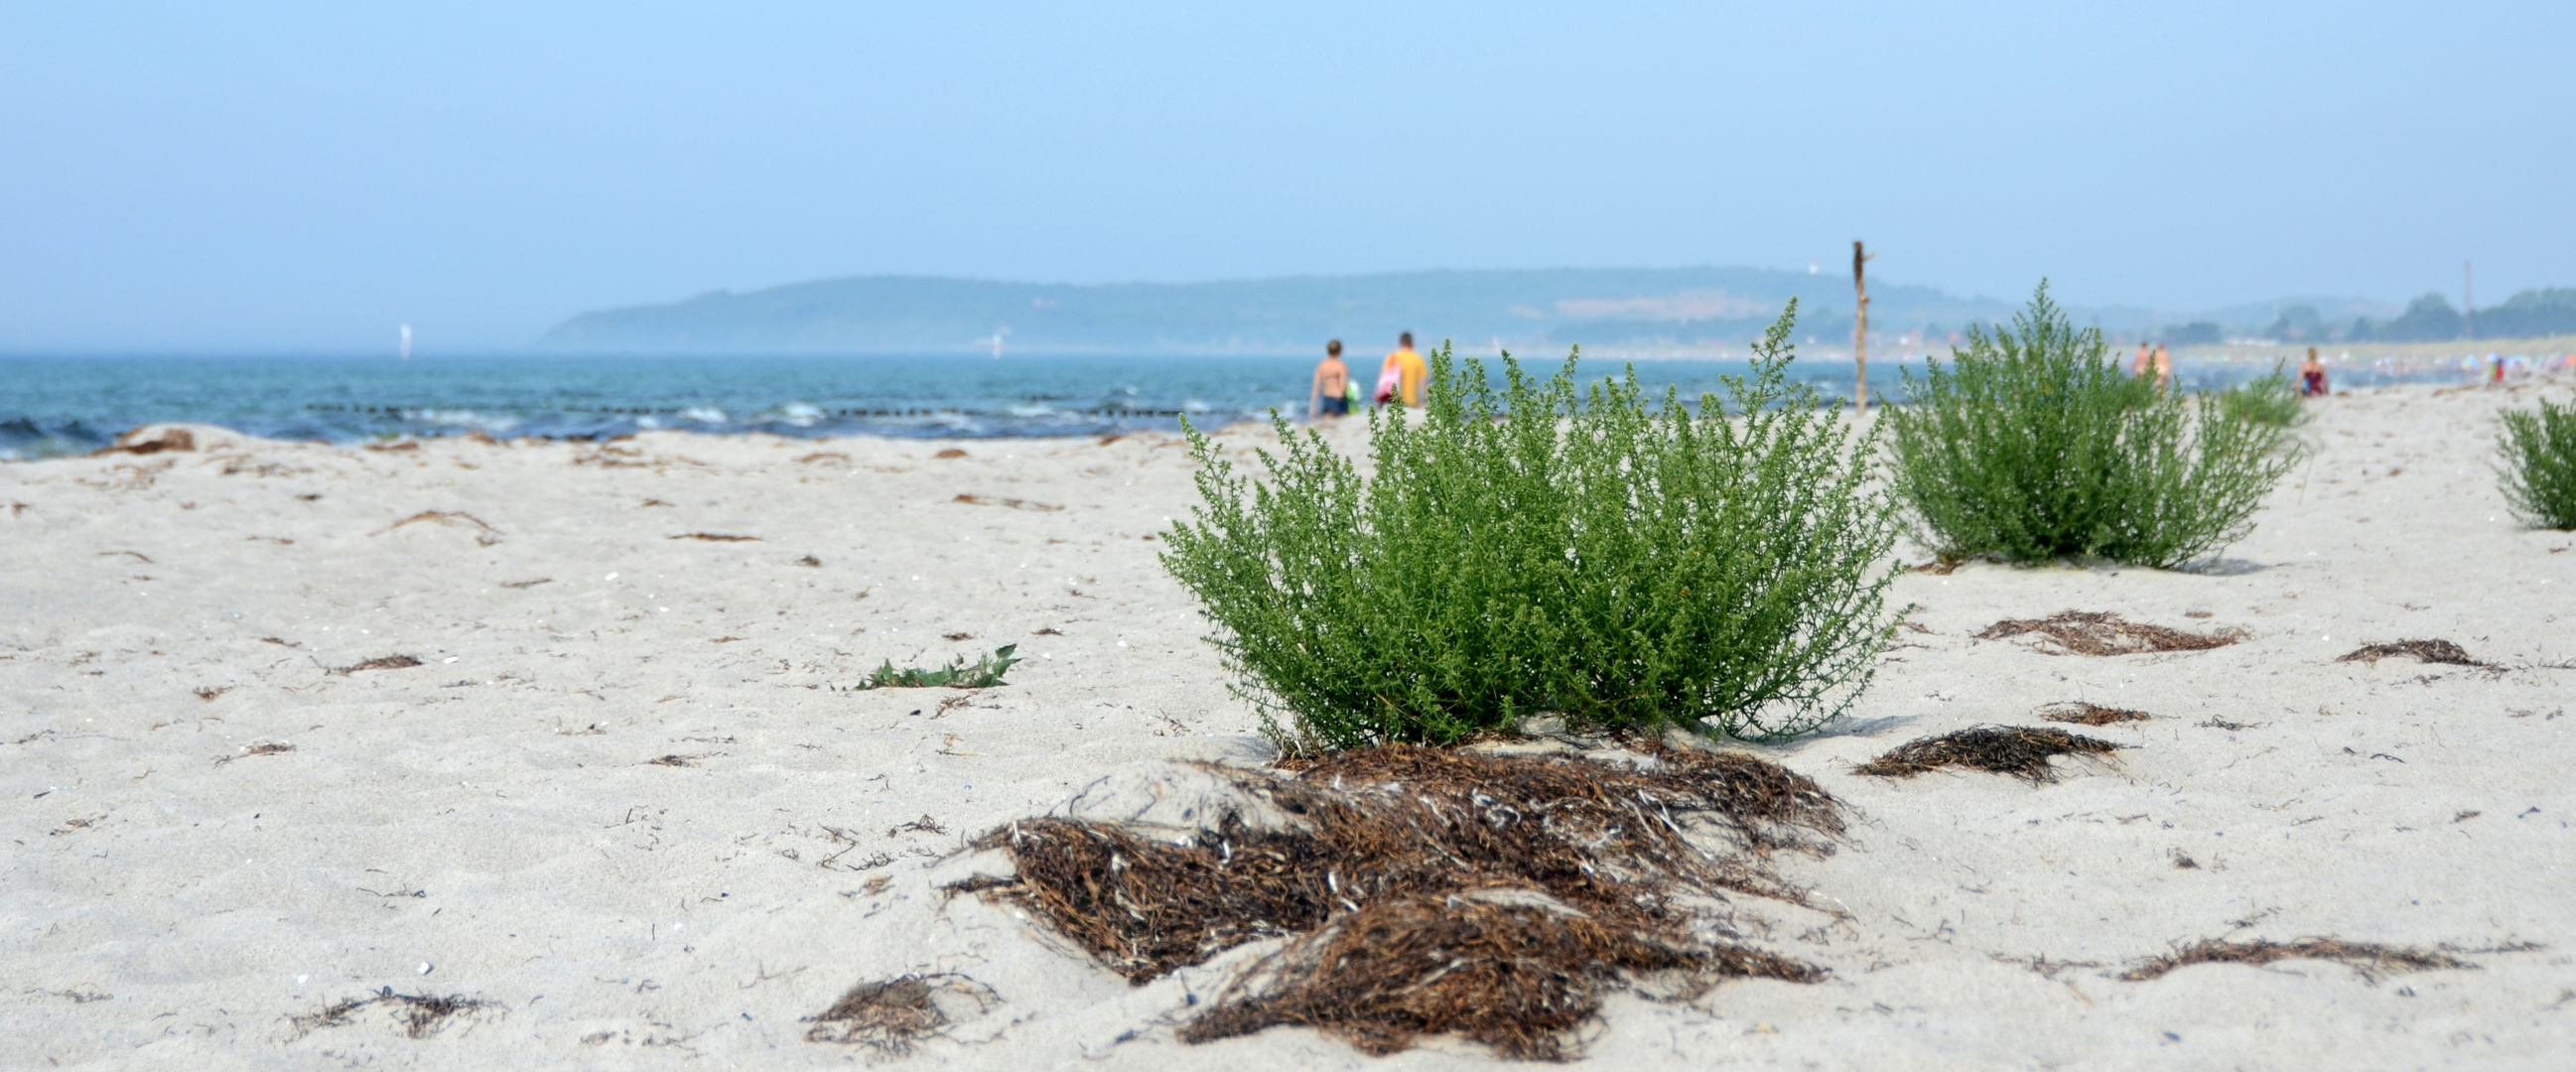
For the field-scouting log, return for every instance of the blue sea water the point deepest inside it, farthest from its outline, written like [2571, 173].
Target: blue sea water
[72, 404]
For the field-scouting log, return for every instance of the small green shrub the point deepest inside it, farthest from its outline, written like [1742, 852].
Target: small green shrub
[1549, 549]
[2538, 475]
[2033, 444]
[2272, 400]
[983, 673]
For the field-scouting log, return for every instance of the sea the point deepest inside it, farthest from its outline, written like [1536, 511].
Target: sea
[60, 405]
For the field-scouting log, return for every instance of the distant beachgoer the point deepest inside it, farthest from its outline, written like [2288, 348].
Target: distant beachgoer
[2164, 366]
[2312, 376]
[1331, 395]
[1399, 381]
[2138, 365]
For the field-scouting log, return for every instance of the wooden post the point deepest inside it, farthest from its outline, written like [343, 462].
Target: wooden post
[1860, 331]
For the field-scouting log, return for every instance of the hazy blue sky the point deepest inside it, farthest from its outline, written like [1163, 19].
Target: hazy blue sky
[308, 176]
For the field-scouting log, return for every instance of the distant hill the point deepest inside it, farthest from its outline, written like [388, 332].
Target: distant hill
[1537, 311]
[2431, 318]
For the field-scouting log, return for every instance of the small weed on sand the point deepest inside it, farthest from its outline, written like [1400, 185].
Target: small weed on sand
[2020, 751]
[983, 673]
[2368, 960]
[2089, 714]
[716, 537]
[2098, 633]
[2429, 651]
[891, 1016]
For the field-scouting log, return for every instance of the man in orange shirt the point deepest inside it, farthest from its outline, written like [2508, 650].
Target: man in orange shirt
[1406, 370]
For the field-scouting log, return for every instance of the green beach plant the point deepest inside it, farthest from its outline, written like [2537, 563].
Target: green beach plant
[2268, 399]
[1549, 548]
[2538, 470]
[983, 673]
[2032, 444]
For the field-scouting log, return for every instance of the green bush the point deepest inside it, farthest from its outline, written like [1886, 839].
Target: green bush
[1549, 549]
[2538, 476]
[2270, 400]
[2034, 445]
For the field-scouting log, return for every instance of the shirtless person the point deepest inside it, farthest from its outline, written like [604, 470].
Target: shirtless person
[2138, 364]
[2164, 366]
[1331, 394]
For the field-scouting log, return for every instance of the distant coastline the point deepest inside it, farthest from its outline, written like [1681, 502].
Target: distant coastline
[1625, 314]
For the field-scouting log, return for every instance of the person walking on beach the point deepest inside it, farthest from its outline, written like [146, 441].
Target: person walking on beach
[2138, 365]
[1399, 381]
[2312, 376]
[1331, 396]
[2164, 367]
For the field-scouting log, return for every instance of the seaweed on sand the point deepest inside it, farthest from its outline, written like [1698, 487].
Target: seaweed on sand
[420, 1015]
[381, 662]
[1520, 978]
[2020, 751]
[135, 442]
[1498, 897]
[486, 536]
[2429, 651]
[891, 1015]
[2102, 633]
[2366, 959]
[2081, 713]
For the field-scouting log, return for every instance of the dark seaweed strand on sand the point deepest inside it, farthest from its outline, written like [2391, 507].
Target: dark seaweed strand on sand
[2020, 751]
[2369, 960]
[2430, 651]
[2082, 713]
[2100, 633]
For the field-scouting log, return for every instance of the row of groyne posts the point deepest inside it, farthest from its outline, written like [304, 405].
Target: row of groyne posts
[649, 411]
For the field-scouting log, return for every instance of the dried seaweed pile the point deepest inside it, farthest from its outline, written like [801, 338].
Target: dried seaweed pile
[2102, 633]
[2081, 713]
[2429, 651]
[1431, 891]
[891, 1015]
[2020, 751]
[2368, 960]
[419, 1015]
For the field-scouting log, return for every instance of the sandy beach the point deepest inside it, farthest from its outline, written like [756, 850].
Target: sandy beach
[563, 729]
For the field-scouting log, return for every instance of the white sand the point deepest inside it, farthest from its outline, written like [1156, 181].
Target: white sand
[492, 814]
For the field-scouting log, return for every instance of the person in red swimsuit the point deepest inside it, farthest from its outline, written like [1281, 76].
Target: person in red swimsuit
[2312, 376]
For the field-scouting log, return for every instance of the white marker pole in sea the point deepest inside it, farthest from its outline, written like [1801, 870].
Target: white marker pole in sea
[406, 342]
